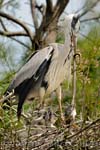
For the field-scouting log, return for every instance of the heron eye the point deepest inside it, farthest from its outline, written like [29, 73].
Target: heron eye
[74, 21]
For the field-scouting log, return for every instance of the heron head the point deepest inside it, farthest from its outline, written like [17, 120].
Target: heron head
[75, 23]
[72, 23]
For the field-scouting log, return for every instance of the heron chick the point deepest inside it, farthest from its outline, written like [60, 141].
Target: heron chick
[46, 70]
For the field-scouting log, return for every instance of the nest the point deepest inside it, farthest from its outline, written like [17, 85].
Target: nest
[40, 137]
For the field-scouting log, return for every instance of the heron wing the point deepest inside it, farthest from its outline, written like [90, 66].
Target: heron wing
[31, 67]
[31, 74]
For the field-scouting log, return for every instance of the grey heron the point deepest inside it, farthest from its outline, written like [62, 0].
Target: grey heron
[46, 70]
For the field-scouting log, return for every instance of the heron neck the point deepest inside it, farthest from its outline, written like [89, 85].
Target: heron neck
[67, 42]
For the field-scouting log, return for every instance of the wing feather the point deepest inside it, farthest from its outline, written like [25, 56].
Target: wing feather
[31, 75]
[31, 67]
[24, 88]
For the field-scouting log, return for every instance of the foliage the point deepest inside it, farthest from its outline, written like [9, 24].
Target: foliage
[8, 65]
[88, 87]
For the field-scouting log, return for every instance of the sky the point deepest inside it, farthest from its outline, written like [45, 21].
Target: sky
[24, 9]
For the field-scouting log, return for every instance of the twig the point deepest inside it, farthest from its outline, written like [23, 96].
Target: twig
[90, 19]
[6, 31]
[9, 96]
[33, 13]
[10, 34]
[85, 36]
[60, 142]
[84, 129]
[89, 8]
[6, 97]
[7, 3]
[50, 7]
[22, 114]
[18, 41]
[3, 25]
[19, 22]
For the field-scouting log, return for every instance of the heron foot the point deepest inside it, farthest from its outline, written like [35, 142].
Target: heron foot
[62, 119]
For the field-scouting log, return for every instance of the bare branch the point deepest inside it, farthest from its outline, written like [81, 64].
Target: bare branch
[6, 31]
[33, 12]
[84, 129]
[10, 96]
[21, 43]
[7, 97]
[88, 8]
[10, 34]
[41, 8]
[59, 8]
[19, 22]
[49, 23]
[49, 6]
[3, 25]
[90, 19]
[85, 36]
[7, 3]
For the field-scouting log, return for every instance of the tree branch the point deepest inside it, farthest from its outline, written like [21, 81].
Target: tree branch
[18, 41]
[3, 25]
[6, 31]
[7, 3]
[49, 8]
[10, 34]
[17, 21]
[33, 11]
[90, 19]
[59, 8]
[88, 8]
[49, 21]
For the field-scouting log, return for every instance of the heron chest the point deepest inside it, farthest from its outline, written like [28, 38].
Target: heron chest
[56, 74]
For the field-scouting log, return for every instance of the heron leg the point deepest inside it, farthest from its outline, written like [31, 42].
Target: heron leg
[42, 99]
[59, 94]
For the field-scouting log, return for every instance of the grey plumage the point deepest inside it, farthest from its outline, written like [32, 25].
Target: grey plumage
[45, 71]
